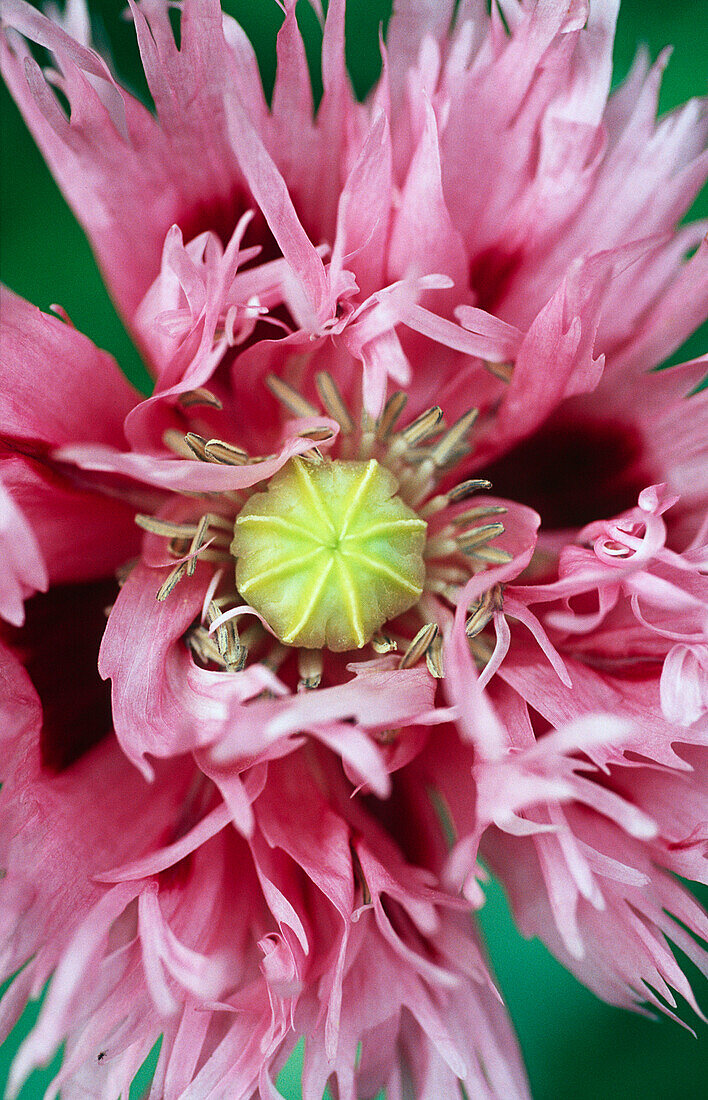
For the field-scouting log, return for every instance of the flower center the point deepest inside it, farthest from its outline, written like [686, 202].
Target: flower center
[336, 545]
[329, 553]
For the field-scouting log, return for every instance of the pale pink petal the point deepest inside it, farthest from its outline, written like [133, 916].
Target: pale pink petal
[684, 684]
[163, 703]
[180, 474]
[24, 570]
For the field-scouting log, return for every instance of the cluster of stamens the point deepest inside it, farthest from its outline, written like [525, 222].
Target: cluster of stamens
[335, 552]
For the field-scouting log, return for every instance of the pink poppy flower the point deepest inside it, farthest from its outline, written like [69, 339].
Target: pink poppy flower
[286, 652]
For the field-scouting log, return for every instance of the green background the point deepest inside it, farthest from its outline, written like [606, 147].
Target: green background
[574, 1045]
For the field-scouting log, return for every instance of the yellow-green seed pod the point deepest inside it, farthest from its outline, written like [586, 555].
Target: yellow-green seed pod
[329, 553]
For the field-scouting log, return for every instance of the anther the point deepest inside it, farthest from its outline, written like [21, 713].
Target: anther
[165, 527]
[199, 396]
[381, 643]
[392, 410]
[467, 489]
[434, 657]
[319, 435]
[419, 645]
[196, 544]
[230, 650]
[480, 512]
[387, 737]
[503, 371]
[293, 401]
[225, 453]
[492, 555]
[310, 664]
[173, 579]
[478, 536]
[422, 427]
[482, 610]
[197, 445]
[444, 450]
[460, 492]
[174, 441]
[332, 400]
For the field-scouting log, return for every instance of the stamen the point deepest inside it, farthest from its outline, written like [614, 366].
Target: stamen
[293, 401]
[197, 445]
[387, 737]
[177, 548]
[503, 371]
[333, 402]
[422, 427]
[444, 450]
[216, 520]
[381, 643]
[492, 555]
[419, 645]
[480, 512]
[275, 657]
[434, 657]
[203, 646]
[199, 396]
[467, 489]
[195, 546]
[216, 450]
[482, 611]
[166, 528]
[348, 553]
[320, 435]
[173, 579]
[360, 876]
[440, 547]
[450, 573]
[392, 410]
[227, 640]
[310, 664]
[478, 536]
[440, 587]
[174, 441]
[219, 556]
[123, 571]
[481, 650]
[454, 496]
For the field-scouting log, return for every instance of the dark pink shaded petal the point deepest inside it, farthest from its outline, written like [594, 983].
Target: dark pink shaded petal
[83, 535]
[57, 386]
